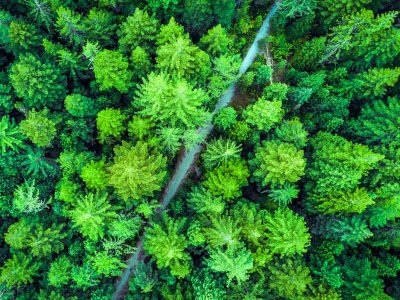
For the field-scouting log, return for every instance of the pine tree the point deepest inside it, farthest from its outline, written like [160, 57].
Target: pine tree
[137, 171]
[19, 269]
[39, 128]
[10, 135]
[167, 244]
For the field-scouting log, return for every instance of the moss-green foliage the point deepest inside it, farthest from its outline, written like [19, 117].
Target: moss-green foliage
[263, 115]
[47, 87]
[91, 214]
[10, 135]
[167, 244]
[276, 163]
[40, 129]
[80, 106]
[110, 124]
[111, 71]
[287, 233]
[137, 171]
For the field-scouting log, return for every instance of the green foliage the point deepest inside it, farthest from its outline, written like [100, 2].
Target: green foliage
[18, 270]
[289, 278]
[347, 202]
[100, 26]
[223, 231]
[283, 194]
[171, 102]
[137, 171]
[292, 131]
[263, 115]
[110, 124]
[220, 152]
[376, 81]
[144, 280]
[27, 198]
[378, 122]
[35, 163]
[80, 106]
[287, 233]
[10, 135]
[91, 214]
[70, 25]
[203, 201]
[225, 118]
[106, 264]
[181, 58]
[276, 163]
[167, 244]
[60, 271]
[95, 175]
[137, 30]
[309, 55]
[141, 62]
[297, 8]
[361, 281]
[23, 35]
[111, 71]
[44, 242]
[39, 128]
[38, 84]
[227, 179]
[206, 286]
[17, 234]
[216, 41]
[235, 261]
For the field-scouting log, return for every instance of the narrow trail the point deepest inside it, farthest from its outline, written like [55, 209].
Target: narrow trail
[188, 157]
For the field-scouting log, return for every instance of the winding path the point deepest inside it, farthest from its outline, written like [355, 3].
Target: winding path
[188, 157]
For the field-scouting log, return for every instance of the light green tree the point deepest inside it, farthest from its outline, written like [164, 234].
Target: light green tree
[276, 163]
[39, 128]
[263, 115]
[216, 41]
[60, 271]
[137, 171]
[287, 233]
[111, 71]
[110, 124]
[10, 135]
[18, 270]
[91, 214]
[167, 243]
[95, 175]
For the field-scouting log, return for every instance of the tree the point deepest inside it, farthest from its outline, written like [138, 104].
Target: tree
[181, 58]
[223, 231]
[36, 164]
[207, 286]
[225, 118]
[38, 84]
[80, 106]
[376, 81]
[10, 135]
[167, 244]
[235, 261]
[197, 15]
[289, 278]
[100, 26]
[224, 11]
[378, 123]
[27, 198]
[171, 102]
[111, 71]
[23, 35]
[141, 62]
[220, 152]
[44, 242]
[60, 271]
[19, 269]
[216, 42]
[263, 115]
[170, 32]
[345, 202]
[18, 233]
[297, 8]
[228, 179]
[287, 233]
[91, 214]
[202, 201]
[137, 171]
[70, 25]
[292, 131]
[110, 123]
[106, 264]
[283, 194]
[361, 281]
[138, 30]
[39, 128]
[95, 175]
[276, 163]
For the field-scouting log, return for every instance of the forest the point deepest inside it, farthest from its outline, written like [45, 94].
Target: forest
[199, 149]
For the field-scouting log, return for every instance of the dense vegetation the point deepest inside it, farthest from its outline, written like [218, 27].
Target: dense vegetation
[296, 193]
